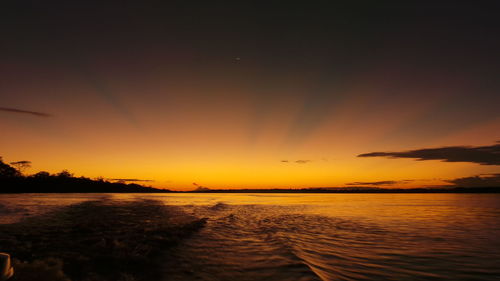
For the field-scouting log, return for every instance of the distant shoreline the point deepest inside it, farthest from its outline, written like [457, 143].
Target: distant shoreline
[289, 191]
[13, 181]
[382, 191]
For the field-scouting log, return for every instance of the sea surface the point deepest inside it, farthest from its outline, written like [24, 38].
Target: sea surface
[319, 236]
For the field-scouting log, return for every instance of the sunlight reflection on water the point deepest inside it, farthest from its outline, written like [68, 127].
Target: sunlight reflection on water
[320, 236]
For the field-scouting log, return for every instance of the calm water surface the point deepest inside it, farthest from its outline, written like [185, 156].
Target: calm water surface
[320, 236]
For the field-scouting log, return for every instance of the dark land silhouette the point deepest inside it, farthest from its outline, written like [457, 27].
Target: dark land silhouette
[12, 180]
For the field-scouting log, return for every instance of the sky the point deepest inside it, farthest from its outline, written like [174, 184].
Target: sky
[251, 94]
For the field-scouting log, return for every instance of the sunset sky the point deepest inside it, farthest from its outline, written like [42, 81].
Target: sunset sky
[252, 95]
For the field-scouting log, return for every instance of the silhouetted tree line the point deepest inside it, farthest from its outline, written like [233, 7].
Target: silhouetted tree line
[12, 180]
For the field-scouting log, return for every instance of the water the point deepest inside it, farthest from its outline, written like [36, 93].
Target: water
[320, 236]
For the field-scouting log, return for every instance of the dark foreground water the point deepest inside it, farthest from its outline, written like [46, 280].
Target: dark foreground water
[319, 236]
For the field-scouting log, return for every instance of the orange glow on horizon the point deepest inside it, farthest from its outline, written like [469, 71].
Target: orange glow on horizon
[221, 130]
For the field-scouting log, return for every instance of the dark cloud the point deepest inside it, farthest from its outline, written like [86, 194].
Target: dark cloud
[300, 161]
[24, 162]
[131, 180]
[377, 183]
[484, 155]
[372, 183]
[15, 110]
[488, 180]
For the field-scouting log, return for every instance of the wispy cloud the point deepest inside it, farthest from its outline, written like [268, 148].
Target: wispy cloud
[484, 155]
[375, 183]
[21, 111]
[486, 180]
[131, 180]
[300, 161]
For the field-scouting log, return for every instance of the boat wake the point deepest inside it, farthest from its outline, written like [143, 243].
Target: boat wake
[265, 242]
